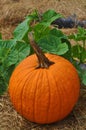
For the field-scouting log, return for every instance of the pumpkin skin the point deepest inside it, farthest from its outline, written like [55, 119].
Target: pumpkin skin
[44, 95]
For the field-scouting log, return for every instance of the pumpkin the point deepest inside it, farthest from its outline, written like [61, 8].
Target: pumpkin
[47, 93]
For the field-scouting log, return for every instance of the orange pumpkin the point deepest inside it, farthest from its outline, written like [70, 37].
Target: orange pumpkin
[44, 95]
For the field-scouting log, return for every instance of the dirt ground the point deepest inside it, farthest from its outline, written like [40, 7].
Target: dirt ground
[12, 12]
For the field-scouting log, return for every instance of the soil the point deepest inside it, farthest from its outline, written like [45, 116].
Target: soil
[12, 12]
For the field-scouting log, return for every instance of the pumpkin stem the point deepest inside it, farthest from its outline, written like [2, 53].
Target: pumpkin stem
[43, 61]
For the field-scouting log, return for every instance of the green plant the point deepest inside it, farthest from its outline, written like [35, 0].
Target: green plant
[79, 49]
[11, 53]
[49, 38]
[78, 52]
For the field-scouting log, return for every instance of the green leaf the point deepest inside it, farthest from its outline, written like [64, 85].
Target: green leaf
[21, 30]
[58, 33]
[8, 55]
[23, 50]
[40, 30]
[83, 55]
[7, 43]
[3, 86]
[80, 35]
[50, 15]
[62, 49]
[52, 44]
[0, 36]
[5, 74]
[79, 52]
[11, 53]
[84, 78]
[3, 79]
[64, 39]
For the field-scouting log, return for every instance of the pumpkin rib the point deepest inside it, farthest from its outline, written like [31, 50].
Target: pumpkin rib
[25, 68]
[16, 87]
[63, 88]
[63, 93]
[66, 92]
[25, 89]
[49, 96]
[58, 93]
[55, 79]
[13, 92]
[76, 89]
[29, 62]
[35, 95]
[60, 99]
[30, 87]
[21, 90]
[18, 80]
[42, 116]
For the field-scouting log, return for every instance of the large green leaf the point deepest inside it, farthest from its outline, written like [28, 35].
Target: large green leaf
[21, 30]
[50, 15]
[23, 50]
[8, 55]
[52, 44]
[7, 43]
[64, 39]
[62, 49]
[11, 53]
[40, 30]
[58, 33]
